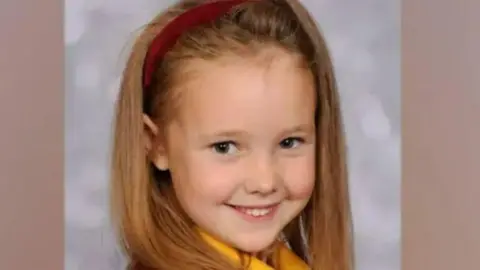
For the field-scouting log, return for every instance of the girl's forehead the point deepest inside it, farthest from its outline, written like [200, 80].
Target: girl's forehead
[234, 77]
[246, 92]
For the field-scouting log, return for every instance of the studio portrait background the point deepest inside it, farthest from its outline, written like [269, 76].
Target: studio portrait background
[364, 37]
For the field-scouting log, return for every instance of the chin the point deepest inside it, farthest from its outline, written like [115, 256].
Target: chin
[254, 244]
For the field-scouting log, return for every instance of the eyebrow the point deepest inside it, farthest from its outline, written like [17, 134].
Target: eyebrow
[300, 128]
[224, 134]
[306, 128]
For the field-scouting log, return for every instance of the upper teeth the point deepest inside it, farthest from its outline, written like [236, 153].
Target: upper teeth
[257, 212]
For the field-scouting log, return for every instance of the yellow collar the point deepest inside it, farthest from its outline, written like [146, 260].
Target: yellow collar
[288, 260]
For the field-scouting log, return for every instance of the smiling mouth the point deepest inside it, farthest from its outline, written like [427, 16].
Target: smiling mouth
[256, 211]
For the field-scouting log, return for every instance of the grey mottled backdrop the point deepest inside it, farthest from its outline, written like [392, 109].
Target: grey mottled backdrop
[364, 36]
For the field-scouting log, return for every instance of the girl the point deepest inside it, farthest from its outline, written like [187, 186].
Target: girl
[228, 148]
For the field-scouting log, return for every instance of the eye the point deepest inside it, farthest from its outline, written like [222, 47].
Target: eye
[224, 148]
[291, 142]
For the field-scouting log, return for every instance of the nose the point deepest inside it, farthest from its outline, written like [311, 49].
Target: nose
[264, 177]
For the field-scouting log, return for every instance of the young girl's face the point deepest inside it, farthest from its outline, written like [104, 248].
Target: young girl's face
[241, 151]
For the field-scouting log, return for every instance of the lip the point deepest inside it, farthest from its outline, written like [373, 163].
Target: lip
[264, 212]
[259, 206]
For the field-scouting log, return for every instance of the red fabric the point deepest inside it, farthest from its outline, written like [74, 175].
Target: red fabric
[168, 36]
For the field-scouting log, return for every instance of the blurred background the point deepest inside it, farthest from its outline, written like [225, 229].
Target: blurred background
[364, 37]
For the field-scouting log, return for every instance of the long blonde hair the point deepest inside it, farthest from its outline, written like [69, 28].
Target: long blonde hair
[154, 231]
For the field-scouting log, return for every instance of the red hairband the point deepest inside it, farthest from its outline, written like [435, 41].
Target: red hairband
[168, 36]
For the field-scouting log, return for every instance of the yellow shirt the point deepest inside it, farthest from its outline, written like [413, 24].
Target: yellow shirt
[287, 259]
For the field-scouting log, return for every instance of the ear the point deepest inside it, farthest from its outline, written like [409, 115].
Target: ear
[159, 154]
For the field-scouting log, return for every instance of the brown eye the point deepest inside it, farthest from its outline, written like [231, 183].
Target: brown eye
[292, 142]
[224, 148]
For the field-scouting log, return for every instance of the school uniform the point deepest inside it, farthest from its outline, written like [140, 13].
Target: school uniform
[287, 259]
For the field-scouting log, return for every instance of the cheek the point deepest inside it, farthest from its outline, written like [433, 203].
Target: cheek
[299, 177]
[200, 179]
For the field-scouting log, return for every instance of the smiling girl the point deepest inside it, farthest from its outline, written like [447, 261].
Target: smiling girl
[228, 148]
